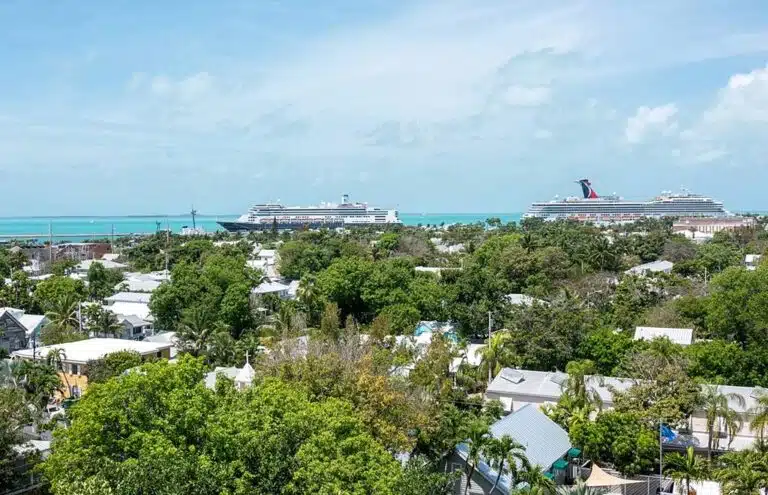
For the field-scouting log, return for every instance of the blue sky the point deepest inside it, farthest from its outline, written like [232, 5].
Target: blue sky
[127, 107]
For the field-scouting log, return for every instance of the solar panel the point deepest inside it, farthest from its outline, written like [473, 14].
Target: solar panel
[512, 375]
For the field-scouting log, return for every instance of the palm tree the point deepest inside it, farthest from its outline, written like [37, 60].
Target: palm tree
[64, 313]
[743, 473]
[104, 322]
[759, 415]
[478, 436]
[733, 422]
[501, 451]
[601, 254]
[538, 482]
[579, 489]
[716, 408]
[684, 467]
[497, 354]
[307, 295]
[577, 387]
[195, 330]
[56, 359]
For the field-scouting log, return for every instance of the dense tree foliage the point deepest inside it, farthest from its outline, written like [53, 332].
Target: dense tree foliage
[111, 365]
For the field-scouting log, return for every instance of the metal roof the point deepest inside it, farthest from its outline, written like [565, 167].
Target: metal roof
[682, 336]
[544, 440]
[653, 266]
[130, 297]
[83, 351]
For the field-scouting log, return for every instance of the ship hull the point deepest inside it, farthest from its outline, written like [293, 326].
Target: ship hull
[311, 225]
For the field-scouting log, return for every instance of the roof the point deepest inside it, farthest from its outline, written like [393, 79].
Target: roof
[472, 356]
[682, 336]
[544, 440]
[133, 297]
[210, 378]
[270, 287]
[266, 253]
[82, 351]
[752, 258]
[133, 320]
[522, 300]
[544, 385]
[653, 266]
[138, 285]
[128, 308]
[110, 265]
[110, 256]
[31, 322]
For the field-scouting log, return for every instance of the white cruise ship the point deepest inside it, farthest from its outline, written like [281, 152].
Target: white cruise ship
[613, 209]
[325, 216]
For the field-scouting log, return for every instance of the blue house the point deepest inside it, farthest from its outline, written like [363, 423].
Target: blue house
[546, 445]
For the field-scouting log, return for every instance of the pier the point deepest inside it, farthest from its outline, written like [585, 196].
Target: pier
[49, 235]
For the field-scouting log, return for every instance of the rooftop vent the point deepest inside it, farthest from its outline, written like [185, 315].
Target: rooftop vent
[558, 378]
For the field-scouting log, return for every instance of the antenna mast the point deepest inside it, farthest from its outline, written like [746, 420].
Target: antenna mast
[194, 214]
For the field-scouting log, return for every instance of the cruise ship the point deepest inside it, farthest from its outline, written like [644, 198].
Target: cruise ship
[325, 216]
[613, 209]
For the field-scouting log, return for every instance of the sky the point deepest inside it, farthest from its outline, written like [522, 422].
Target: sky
[146, 107]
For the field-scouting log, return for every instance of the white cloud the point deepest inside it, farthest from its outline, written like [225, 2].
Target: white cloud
[526, 97]
[733, 125]
[744, 99]
[649, 120]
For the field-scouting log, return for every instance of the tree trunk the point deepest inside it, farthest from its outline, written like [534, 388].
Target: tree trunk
[469, 479]
[498, 477]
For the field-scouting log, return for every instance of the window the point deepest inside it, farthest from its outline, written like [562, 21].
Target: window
[74, 391]
[159, 354]
[74, 369]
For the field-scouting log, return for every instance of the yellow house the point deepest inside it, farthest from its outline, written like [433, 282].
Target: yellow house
[75, 357]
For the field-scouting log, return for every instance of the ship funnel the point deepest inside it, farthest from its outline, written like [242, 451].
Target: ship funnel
[345, 199]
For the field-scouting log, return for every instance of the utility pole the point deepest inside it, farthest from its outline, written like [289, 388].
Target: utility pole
[50, 243]
[661, 456]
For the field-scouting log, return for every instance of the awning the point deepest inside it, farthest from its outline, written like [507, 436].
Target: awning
[600, 478]
[561, 464]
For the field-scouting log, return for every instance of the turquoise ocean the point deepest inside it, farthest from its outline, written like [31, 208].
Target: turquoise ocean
[64, 228]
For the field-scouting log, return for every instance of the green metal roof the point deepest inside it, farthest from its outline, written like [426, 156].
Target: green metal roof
[560, 464]
[574, 452]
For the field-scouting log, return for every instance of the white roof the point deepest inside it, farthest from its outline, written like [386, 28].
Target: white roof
[138, 285]
[472, 356]
[545, 386]
[270, 287]
[653, 266]
[266, 253]
[82, 351]
[134, 320]
[682, 336]
[752, 258]
[256, 264]
[210, 378]
[128, 308]
[31, 322]
[111, 265]
[132, 297]
[246, 375]
[522, 300]
[16, 313]
[110, 256]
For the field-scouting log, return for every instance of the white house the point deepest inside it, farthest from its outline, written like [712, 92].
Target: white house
[518, 388]
[523, 300]
[751, 261]
[84, 266]
[682, 336]
[659, 266]
[130, 303]
[281, 290]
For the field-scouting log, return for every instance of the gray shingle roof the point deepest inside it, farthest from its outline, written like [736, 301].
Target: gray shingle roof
[544, 440]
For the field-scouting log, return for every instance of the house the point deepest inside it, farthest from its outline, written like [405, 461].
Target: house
[130, 303]
[243, 377]
[523, 300]
[751, 261]
[165, 338]
[546, 445]
[517, 388]
[76, 355]
[703, 225]
[141, 282]
[660, 266]
[472, 355]
[110, 256]
[32, 324]
[13, 335]
[268, 256]
[135, 327]
[85, 265]
[280, 290]
[682, 336]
